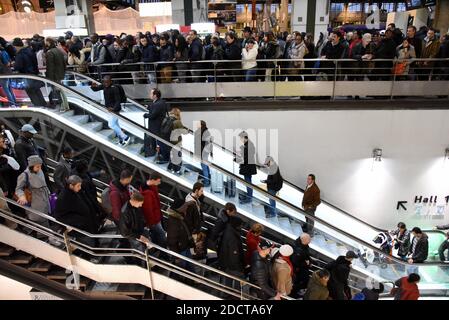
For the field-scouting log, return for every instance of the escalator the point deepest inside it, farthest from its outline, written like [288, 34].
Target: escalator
[87, 120]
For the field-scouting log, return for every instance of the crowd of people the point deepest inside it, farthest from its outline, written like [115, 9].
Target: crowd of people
[174, 57]
[284, 270]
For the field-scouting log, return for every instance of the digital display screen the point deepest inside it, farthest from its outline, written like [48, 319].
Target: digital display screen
[414, 4]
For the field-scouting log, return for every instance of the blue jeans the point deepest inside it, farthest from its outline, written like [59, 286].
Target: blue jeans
[157, 235]
[184, 264]
[273, 211]
[4, 83]
[114, 125]
[250, 75]
[206, 174]
[249, 191]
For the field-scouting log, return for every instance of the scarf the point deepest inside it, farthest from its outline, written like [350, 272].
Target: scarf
[287, 259]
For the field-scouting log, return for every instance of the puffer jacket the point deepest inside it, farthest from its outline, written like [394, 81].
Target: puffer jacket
[316, 290]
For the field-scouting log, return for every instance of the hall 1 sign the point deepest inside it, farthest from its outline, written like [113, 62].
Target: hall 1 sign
[433, 207]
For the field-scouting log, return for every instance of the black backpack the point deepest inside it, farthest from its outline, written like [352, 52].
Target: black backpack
[167, 126]
[123, 98]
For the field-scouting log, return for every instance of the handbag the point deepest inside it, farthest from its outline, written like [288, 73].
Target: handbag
[399, 68]
[26, 190]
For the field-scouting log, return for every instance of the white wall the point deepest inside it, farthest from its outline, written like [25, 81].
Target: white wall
[13, 290]
[337, 146]
[322, 11]
[299, 10]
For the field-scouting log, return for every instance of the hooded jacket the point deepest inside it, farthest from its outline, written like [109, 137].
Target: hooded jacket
[316, 290]
[151, 207]
[24, 148]
[194, 216]
[179, 237]
[118, 196]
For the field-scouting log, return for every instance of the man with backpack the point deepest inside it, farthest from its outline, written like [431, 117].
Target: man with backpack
[113, 98]
[157, 111]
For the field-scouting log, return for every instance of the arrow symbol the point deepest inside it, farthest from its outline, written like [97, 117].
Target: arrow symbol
[401, 204]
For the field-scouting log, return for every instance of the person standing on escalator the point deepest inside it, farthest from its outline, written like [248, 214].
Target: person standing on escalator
[112, 101]
[56, 63]
[247, 160]
[310, 201]
[156, 114]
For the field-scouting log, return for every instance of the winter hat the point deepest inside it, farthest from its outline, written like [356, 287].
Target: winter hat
[33, 160]
[286, 250]
[351, 255]
[177, 203]
[28, 128]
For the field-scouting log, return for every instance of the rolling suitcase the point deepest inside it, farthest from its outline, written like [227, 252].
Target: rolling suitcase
[216, 181]
[230, 188]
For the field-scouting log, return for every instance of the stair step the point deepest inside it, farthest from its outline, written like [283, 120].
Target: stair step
[107, 133]
[68, 113]
[94, 126]
[285, 224]
[19, 257]
[81, 119]
[58, 274]
[40, 266]
[135, 148]
[123, 289]
[296, 228]
[5, 250]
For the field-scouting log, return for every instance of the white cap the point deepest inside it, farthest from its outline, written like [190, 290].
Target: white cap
[286, 250]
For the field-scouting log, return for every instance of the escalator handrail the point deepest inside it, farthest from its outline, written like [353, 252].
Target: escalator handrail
[134, 102]
[232, 153]
[102, 236]
[224, 171]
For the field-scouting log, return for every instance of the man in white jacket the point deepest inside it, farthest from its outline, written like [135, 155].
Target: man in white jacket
[249, 63]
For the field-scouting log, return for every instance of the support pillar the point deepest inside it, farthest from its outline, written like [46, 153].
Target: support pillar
[186, 12]
[74, 15]
[441, 13]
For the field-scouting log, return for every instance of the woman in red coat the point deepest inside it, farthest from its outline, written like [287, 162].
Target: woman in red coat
[407, 288]
[252, 241]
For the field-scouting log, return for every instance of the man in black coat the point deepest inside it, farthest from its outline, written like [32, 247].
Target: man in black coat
[132, 225]
[274, 184]
[385, 50]
[247, 160]
[261, 274]
[232, 51]
[214, 236]
[71, 208]
[195, 54]
[25, 146]
[231, 255]
[338, 282]
[26, 62]
[179, 237]
[419, 249]
[301, 263]
[156, 114]
[333, 50]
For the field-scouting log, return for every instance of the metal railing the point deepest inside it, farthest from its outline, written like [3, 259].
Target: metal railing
[72, 244]
[228, 174]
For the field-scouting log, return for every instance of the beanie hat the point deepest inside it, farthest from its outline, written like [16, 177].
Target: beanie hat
[33, 160]
[17, 42]
[286, 250]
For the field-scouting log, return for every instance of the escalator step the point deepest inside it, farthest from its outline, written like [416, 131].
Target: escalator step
[94, 126]
[108, 133]
[81, 119]
[135, 148]
[19, 257]
[5, 250]
[70, 113]
[40, 266]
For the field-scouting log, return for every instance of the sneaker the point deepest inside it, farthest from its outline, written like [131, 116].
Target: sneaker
[126, 141]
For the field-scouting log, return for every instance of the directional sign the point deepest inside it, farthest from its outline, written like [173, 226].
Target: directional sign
[401, 204]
